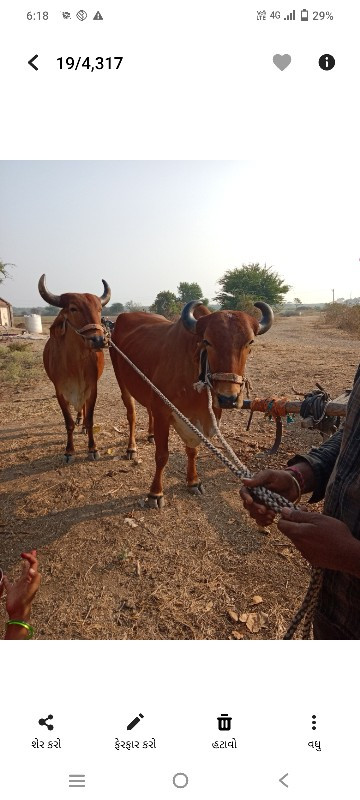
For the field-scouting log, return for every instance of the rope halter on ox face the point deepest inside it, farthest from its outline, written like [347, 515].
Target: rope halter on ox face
[95, 334]
[208, 378]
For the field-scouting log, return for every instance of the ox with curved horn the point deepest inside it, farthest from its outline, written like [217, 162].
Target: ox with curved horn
[181, 366]
[74, 358]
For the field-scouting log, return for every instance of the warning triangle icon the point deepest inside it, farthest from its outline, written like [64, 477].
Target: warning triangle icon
[98, 15]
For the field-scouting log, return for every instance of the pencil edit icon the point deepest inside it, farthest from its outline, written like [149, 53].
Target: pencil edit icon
[134, 722]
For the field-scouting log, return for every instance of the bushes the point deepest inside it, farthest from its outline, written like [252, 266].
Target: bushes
[18, 362]
[345, 317]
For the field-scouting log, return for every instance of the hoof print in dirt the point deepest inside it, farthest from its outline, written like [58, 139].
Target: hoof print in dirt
[94, 455]
[130, 454]
[69, 458]
[155, 501]
[197, 490]
[151, 439]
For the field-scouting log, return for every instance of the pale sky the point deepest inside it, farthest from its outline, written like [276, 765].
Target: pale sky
[145, 226]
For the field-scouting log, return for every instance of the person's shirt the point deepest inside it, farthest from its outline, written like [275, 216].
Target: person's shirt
[336, 465]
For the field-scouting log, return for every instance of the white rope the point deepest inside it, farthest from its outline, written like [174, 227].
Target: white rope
[271, 499]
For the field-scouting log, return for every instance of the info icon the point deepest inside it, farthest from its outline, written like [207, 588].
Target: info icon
[326, 62]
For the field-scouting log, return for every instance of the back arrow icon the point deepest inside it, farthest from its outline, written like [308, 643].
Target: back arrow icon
[281, 780]
[31, 62]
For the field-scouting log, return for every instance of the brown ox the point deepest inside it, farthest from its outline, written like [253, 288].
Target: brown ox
[73, 358]
[169, 353]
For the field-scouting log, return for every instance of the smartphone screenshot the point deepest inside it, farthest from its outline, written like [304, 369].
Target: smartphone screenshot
[179, 400]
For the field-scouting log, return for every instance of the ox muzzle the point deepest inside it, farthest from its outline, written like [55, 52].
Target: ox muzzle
[90, 334]
[232, 399]
[97, 342]
[228, 400]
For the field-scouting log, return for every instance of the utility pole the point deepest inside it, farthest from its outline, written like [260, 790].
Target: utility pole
[333, 290]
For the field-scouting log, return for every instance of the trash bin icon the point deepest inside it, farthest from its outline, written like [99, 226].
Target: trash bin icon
[224, 722]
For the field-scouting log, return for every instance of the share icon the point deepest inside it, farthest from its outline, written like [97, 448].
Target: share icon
[45, 722]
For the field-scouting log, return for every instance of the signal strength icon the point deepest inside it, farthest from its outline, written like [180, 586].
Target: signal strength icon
[290, 16]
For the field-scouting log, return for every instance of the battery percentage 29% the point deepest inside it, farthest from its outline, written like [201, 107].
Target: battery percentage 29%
[111, 62]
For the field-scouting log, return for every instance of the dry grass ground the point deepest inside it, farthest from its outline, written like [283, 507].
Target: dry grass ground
[347, 318]
[111, 568]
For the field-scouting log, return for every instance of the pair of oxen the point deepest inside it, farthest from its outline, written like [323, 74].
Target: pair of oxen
[173, 355]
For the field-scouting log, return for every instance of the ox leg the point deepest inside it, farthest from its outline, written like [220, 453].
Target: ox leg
[194, 484]
[81, 416]
[88, 423]
[70, 425]
[151, 437]
[129, 404]
[161, 433]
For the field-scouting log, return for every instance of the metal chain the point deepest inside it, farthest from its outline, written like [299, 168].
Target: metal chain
[271, 499]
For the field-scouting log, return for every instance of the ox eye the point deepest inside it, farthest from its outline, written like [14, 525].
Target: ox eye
[72, 308]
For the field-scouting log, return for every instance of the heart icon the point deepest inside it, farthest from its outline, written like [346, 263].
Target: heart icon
[281, 62]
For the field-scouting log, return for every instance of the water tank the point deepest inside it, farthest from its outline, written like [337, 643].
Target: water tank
[33, 323]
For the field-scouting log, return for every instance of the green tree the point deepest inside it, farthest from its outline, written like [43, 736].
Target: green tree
[130, 305]
[114, 309]
[244, 285]
[50, 311]
[3, 271]
[166, 303]
[297, 301]
[189, 291]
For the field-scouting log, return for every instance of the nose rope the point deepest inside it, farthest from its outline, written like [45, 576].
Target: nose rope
[94, 326]
[268, 498]
[206, 377]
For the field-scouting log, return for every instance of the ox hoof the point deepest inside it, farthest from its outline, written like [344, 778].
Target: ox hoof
[155, 501]
[198, 489]
[151, 438]
[93, 455]
[69, 458]
[130, 454]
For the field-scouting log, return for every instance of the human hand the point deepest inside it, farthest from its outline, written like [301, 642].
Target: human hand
[324, 541]
[279, 481]
[20, 594]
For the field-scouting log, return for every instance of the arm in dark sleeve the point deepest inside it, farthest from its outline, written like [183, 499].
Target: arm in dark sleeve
[322, 461]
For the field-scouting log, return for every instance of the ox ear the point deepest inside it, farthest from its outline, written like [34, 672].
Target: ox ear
[267, 318]
[191, 313]
[58, 327]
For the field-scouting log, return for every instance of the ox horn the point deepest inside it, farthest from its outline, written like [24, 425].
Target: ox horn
[267, 318]
[52, 299]
[105, 297]
[187, 316]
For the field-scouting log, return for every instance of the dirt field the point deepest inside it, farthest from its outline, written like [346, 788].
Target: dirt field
[114, 569]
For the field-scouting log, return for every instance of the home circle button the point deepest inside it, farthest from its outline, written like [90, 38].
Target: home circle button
[180, 780]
